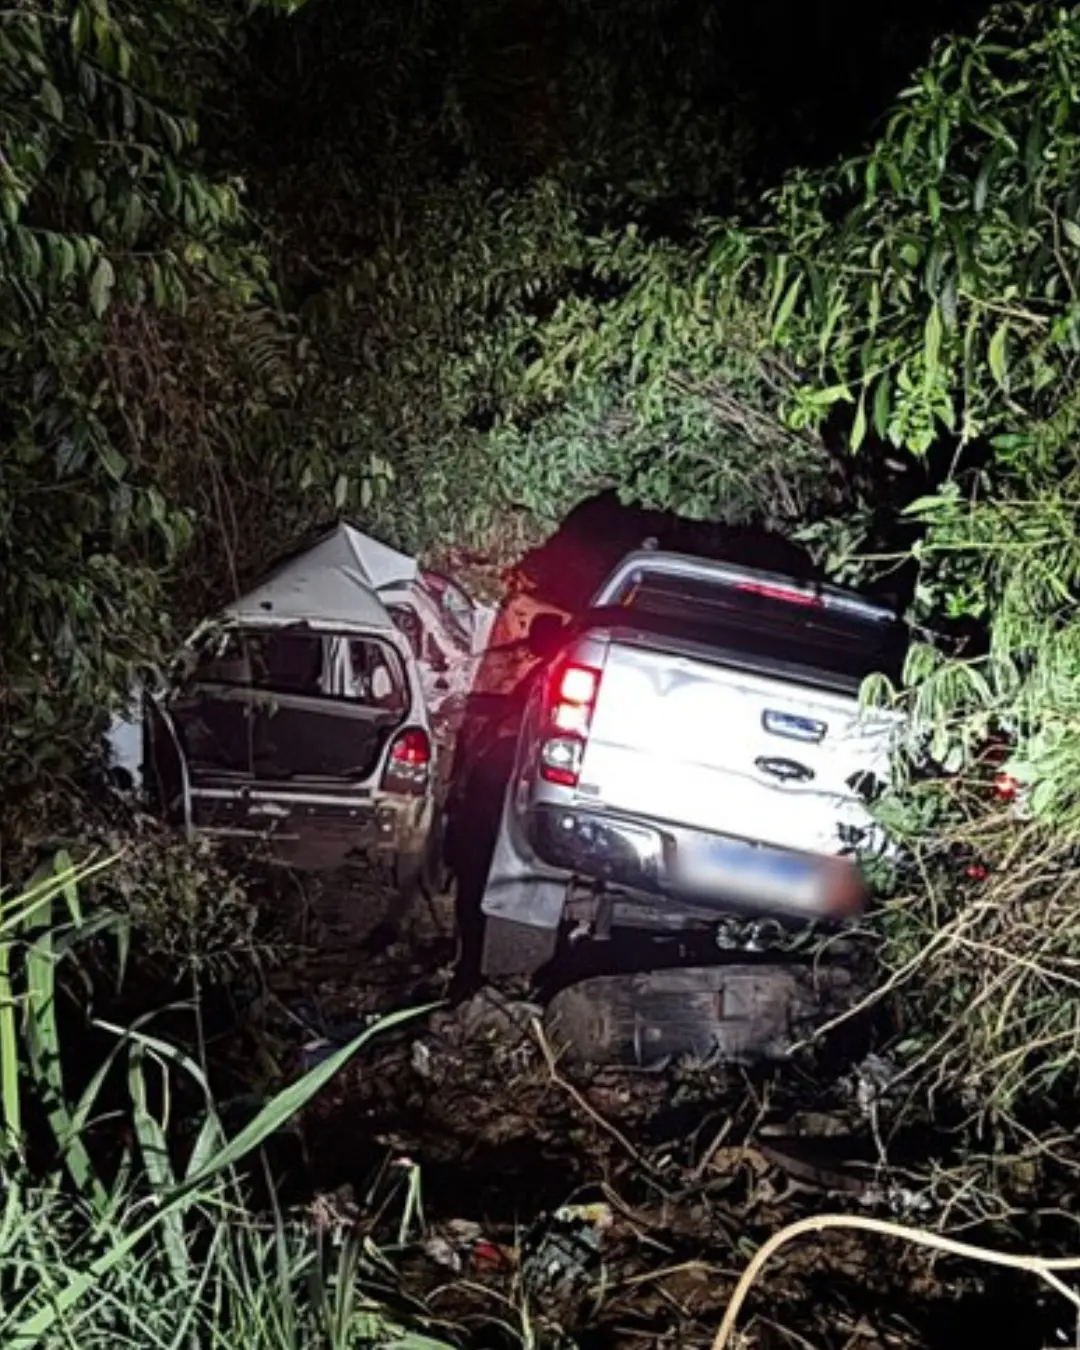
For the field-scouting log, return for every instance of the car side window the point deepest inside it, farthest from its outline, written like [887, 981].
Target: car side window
[373, 678]
[407, 622]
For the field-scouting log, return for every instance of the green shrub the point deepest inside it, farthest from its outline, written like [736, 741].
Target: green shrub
[160, 1249]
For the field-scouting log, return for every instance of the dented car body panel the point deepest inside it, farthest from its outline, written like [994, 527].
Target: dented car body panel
[269, 761]
[302, 709]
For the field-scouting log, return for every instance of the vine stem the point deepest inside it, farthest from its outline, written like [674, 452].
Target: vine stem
[1037, 1265]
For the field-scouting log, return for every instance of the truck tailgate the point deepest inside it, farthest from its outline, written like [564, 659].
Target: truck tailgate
[681, 739]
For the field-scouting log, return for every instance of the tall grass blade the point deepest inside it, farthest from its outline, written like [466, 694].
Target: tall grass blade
[29, 1332]
[10, 1103]
[17, 914]
[292, 1099]
[21, 909]
[43, 1055]
[154, 1149]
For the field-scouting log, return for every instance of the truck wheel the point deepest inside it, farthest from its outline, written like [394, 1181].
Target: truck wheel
[516, 948]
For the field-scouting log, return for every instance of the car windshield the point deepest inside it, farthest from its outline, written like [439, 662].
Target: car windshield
[339, 667]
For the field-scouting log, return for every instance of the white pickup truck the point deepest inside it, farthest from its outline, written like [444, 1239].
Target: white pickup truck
[692, 748]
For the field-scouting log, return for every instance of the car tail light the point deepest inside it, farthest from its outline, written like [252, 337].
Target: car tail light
[788, 594]
[1006, 787]
[409, 762]
[572, 695]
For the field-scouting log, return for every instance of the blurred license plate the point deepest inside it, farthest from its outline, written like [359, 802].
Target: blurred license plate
[722, 865]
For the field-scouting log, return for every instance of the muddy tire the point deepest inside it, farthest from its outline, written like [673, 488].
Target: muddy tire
[516, 948]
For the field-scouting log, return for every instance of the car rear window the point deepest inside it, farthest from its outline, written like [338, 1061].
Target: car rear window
[840, 644]
[340, 667]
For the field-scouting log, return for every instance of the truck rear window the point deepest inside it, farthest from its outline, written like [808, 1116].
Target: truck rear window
[845, 646]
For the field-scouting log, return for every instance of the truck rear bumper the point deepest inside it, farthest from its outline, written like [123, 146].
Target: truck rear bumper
[666, 867]
[696, 867]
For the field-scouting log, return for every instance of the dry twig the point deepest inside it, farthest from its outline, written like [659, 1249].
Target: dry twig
[1046, 1269]
[583, 1103]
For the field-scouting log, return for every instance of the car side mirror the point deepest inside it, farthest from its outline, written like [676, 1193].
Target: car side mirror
[545, 632]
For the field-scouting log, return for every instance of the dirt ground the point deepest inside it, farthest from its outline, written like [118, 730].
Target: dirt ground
[457, 1143]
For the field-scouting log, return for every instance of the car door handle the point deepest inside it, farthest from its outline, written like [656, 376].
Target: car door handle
[786, 770]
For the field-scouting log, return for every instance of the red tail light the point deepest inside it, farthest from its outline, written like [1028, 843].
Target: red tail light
[571, 700]
[410, 759]
[578, 684]
[1006, 787]
[574, 690]
[412, 747]
[787, 594]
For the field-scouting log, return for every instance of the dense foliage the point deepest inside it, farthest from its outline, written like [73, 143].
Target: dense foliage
[130, 307]
[454, 268]
[262, 267]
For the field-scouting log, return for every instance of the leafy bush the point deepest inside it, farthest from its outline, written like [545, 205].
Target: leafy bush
[148, 377]
[161, 1248]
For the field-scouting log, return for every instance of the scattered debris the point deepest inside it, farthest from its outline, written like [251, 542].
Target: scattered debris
[730, 1013]
[460, 1246]
[563, 1253]
[421, 1058]
[871, 1080]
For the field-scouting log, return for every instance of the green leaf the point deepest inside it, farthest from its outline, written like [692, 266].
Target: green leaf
[787, 306]
[996, 354]
[982, 184]
[66, 259]
[157, 284]
[882, 405]
[858, 427]
[932, 343]
[51, 101]
[31, 251]
[1072, 232]
[102, 282]
[80, 27]
[85, 252]
[825, 398]
[114, 462]
[11, 1137]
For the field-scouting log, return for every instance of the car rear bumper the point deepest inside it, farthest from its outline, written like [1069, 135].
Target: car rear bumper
[381, 823]
[700, 869]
